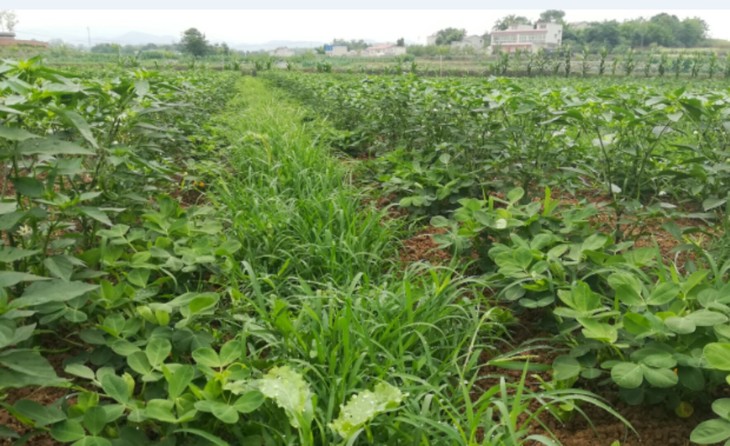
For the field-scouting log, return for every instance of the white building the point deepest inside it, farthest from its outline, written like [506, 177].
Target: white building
[476, 42]
[282, 52]
[528, 38]
[336, 50]
[384, 49]
[431, 40]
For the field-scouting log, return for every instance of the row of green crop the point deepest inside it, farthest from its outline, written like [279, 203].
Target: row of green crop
[483, 159]
[201, 281]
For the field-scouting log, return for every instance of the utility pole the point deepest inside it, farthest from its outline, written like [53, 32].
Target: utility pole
[88, 34]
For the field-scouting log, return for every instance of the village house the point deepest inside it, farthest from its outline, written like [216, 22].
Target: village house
[476, 42]
[384, 49]
[335, 50]
[529, 38]
[8, 39]
[282, 52]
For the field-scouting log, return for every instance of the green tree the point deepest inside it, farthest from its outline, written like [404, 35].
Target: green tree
[194, 42]
[507, 21]
[8, 20]
[400, 42]
[692, 32]
[553, 15]
[448, 35]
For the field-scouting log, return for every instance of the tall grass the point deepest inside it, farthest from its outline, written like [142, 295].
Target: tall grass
[318, 289]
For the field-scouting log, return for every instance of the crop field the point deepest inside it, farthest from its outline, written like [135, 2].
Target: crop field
[200, 257]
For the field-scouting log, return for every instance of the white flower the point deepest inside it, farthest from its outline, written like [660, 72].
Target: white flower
[24, 231]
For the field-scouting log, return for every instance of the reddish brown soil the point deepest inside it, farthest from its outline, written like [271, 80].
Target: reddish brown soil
[422, 248]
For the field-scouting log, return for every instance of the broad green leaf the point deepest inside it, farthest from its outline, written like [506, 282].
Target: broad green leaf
[722, 408]
[627, 375]
[680, 325]
[61, 267]
[68, 431]
[207, 356]
[93, 441]
[365, 406]
[290, 392]
[80, 123]
[41, 415]
[52, 147]
[12, 335]
[178, 379]
[29, 363]
[654, 357]
[711, 432]
[52, 291]
[11, 278]
[28, 187]
[15, 134]
[628, 288]
[661, 378]
[95, 419]
[9, 254]
[7, 207]
[594, 242]
[224, 412]
[707, 318]
[691, 378]
[116, 388]
[230, 352]
[712, 203]
[598, 330]
[565, 367]
[217, 441]
[157, 351]
[663, 294]
[80, 370]
[717, 355]
[96, 214]
[161, 410]
[249, 401]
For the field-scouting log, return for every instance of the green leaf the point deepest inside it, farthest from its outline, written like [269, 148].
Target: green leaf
[80, 370]
[205, 435]
[594, 242]
[662, 378]
[680, 325]
[707, 318]
[41, 415]
[10, 254]
[116, 388]
[60, 266]
[627, 375]
[249, 401]
[230, 352]
[365, 406]
[52, 291]
[80, 123]
[717, 355]
[207, 356]
[11, 278]
[515, 194]
[663, 294]
[628, 288]
[692, 378]
[654, 357]
[10, 334]
[161, 410]
[598, 330]
[28, 187]
[712, 203]
[178, 379]
[15, 134]
[224, 412]
[96, 214]
[95, 420]
[565, 367]
[722, 408]
[29, 363]
[93, 441]
[68, 431]
[51, 147]
[711, 432]
[157, 351]
[290, 392]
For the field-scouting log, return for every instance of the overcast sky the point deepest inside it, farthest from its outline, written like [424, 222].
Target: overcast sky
[321, 25]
